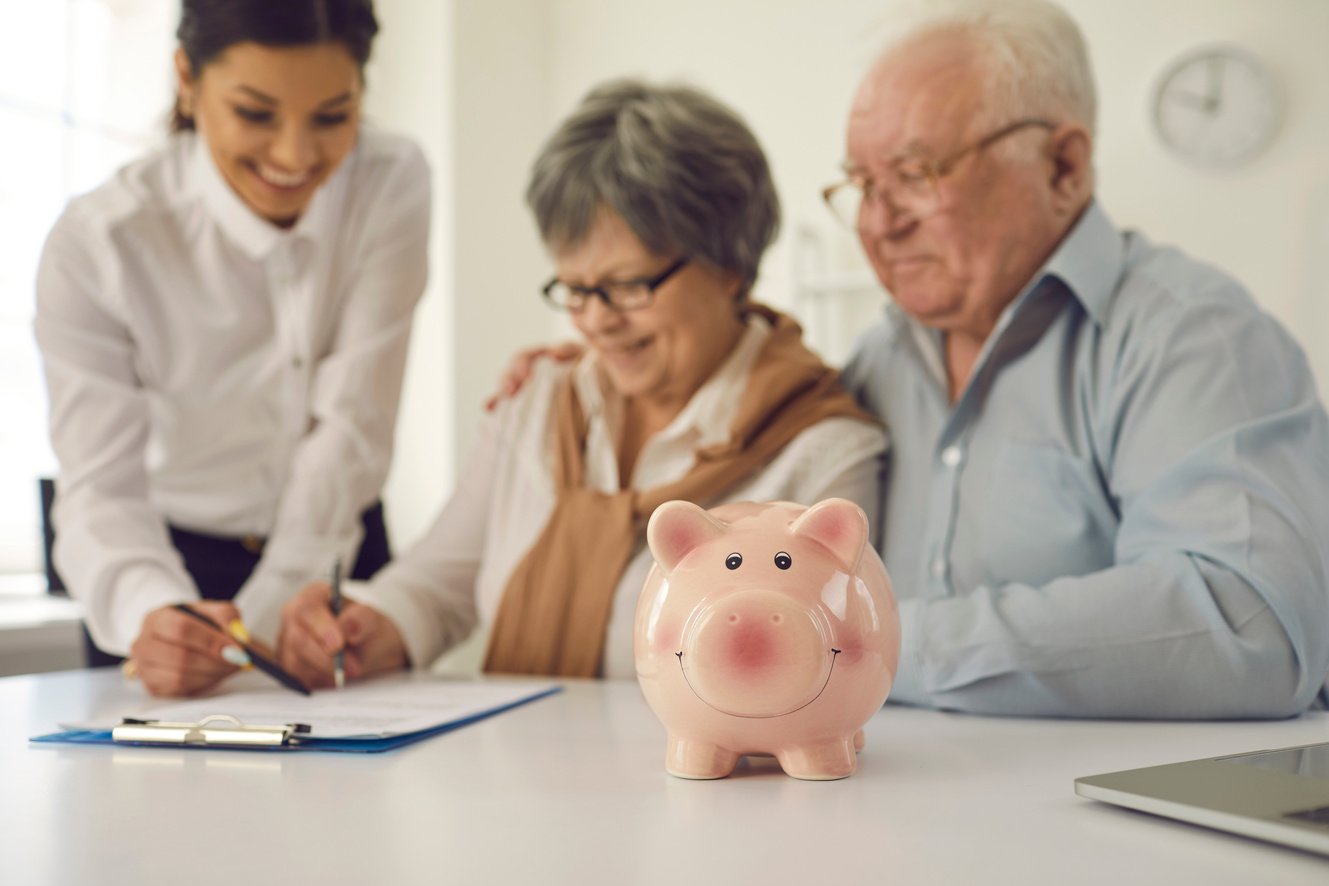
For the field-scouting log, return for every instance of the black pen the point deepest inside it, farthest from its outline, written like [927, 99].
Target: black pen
[238, 633]
[338, 660]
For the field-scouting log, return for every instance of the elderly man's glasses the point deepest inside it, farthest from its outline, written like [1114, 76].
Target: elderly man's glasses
[910, 188]
[621, 295]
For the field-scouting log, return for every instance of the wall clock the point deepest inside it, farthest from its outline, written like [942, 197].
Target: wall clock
[1217, 106]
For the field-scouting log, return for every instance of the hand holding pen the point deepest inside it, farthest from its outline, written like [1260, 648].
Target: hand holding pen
[312, 638]
[176, 655]
[249, 653]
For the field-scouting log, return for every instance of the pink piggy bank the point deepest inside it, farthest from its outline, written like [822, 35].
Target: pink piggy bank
[765, 629]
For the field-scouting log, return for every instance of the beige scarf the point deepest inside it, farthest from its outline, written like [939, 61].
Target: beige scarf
[555, 609]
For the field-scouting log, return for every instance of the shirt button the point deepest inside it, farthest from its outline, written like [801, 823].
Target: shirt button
[297, 363]
[951, 456]
[938, 568]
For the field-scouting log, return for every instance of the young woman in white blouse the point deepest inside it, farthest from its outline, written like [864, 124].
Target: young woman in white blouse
[656, 204]
[224, 327]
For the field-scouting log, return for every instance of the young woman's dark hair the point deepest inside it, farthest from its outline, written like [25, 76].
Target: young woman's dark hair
[209, 27]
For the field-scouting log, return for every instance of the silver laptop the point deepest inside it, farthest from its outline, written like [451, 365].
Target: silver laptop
[1281, 795]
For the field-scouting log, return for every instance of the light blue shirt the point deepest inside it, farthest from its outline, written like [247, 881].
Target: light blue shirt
[1126, 514]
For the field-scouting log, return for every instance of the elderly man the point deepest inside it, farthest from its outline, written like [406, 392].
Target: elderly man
[1108, 493]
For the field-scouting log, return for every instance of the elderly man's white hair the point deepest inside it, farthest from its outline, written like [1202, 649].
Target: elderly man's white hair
[1034, 52]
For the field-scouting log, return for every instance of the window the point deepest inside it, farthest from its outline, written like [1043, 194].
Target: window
[85, 85]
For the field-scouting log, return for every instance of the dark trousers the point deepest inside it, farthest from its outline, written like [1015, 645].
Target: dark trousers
[220, 566]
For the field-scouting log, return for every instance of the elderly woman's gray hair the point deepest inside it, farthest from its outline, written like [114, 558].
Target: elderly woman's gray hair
[682, 169]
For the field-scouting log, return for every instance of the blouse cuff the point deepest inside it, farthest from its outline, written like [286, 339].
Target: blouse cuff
[137, 591]
[413, 621]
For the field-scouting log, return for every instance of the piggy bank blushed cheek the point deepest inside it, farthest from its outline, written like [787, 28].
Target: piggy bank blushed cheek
[665, 637]
[847, 639]
[851, 650]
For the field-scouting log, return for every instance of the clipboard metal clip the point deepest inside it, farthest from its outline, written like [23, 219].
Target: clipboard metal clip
[218, 730]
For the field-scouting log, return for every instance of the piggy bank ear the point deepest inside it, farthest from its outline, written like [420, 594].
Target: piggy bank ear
[838, 525]
[676, 528]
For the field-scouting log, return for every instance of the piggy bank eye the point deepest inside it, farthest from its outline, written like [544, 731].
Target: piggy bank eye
[783, 560]
[733, 561]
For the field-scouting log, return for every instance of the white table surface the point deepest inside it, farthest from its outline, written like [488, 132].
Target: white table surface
[571, 789]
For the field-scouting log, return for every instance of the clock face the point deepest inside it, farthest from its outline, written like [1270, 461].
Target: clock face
[1217, 106]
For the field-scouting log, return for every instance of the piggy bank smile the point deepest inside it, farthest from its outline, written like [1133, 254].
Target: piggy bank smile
[757, 654]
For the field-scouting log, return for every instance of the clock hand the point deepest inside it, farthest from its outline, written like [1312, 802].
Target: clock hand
[1192, 100]
[1213, 84]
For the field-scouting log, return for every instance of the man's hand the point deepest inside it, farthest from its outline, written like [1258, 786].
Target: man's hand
[177, 655]
[311, 635]
[520, 367]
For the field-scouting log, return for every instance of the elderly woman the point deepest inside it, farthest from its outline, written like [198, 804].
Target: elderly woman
[656, 204]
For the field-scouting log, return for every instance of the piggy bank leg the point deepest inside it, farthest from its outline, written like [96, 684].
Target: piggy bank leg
[858, 740]
[688, 758]
[820, 762]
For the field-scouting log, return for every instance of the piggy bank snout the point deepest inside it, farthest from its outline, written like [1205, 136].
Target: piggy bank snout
[757, 654]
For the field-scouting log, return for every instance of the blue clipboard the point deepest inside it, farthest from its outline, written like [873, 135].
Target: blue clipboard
[285, 738]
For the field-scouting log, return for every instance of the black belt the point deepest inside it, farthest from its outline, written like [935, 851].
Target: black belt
[220, 564]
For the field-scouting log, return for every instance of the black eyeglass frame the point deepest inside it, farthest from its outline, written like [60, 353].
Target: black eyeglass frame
[935, 170]
[646, 284]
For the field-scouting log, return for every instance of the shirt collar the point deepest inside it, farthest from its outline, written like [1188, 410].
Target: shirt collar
[1089, 262]
[256, 236]
[709, 412]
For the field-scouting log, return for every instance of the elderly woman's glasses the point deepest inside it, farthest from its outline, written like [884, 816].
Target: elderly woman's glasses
[910, 187]
[621, 295]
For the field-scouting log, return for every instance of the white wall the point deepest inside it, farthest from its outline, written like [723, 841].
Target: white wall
[409, 90]
[508, 70]
[465, 78]
[502, 106]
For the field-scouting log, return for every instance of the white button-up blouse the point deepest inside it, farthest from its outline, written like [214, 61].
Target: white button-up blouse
[212, 371]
